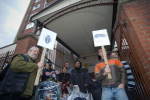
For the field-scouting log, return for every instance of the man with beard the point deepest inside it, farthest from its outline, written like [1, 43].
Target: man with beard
[19, 80]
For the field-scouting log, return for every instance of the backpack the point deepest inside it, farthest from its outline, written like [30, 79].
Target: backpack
[14, 82]
[4, 71]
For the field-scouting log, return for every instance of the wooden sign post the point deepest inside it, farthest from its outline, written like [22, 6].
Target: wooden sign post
[47, 40]
[106, 62]
[39, 72]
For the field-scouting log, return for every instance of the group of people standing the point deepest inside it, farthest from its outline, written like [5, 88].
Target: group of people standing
[23, 69]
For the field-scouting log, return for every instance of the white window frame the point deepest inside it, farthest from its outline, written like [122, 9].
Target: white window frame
[36, 7]
[29, 25]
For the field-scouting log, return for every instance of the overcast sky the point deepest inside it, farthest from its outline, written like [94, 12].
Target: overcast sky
[11, 15]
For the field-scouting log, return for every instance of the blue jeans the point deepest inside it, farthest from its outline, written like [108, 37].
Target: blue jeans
[113, 93]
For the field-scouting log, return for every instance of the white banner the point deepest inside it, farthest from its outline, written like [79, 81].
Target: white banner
[100, 38]
[47, 39]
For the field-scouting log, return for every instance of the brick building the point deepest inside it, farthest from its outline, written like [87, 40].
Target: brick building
[127, 22]
[28, 33]
[132, 33]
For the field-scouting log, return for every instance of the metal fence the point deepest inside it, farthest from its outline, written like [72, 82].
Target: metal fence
[6, 57]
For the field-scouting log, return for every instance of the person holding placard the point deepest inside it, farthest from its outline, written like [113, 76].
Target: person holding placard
[112, 87]
[19, 81]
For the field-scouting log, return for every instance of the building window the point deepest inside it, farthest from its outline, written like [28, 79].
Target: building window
[36, 7]
[37, 1]
[30, 25]
[48, 1]
[124, 44]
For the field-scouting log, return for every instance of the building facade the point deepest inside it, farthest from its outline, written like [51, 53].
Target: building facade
[132, 34]
[130, 31]
[28, 29]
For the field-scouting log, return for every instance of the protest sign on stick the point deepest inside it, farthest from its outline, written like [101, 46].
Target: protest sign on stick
[47, 39]
[101, 39]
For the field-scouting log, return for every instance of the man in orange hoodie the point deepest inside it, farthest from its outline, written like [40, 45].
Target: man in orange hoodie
[112, 87]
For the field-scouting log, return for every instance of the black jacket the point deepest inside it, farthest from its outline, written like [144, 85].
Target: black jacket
[81, 78]
[64, 77]
[14, 82]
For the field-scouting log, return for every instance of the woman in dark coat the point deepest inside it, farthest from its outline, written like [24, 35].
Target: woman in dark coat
[80, 77]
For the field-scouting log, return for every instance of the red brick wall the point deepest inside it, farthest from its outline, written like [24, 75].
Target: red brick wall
[138, 14]
[22, 31]
[27, 31]
[134, 25]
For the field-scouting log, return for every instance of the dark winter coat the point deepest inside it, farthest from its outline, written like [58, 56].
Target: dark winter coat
[80, 77]
[64, 77]
[21, 73]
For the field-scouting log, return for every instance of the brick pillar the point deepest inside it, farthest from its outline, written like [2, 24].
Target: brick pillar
[25, 43]
[134, 26]
[138, 14]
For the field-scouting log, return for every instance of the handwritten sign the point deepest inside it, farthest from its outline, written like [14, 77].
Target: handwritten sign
[47, 39]
[100, 38]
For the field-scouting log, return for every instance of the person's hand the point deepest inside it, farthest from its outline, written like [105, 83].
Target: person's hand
[57, 72]
[107, 69]
[40, 64]
[53, 72]
[121, 85]
[47, 73]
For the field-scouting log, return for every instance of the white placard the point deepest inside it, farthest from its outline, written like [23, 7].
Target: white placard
[47, 39]
[100, 38]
